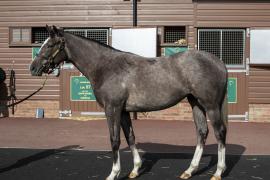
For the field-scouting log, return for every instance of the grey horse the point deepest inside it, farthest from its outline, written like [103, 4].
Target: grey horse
[124, 82]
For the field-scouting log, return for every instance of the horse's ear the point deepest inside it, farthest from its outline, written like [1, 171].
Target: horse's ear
[50, 31]
[47, 28]
[60, 32]
[55, 30]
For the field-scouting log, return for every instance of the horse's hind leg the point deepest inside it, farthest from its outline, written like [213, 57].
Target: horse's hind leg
[199, 116]
[130, 137]
[220, 130]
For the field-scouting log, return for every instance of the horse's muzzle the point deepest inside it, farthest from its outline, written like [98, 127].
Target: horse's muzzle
[36, 71]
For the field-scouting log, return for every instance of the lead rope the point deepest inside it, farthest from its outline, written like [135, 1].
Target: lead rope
[27, 97]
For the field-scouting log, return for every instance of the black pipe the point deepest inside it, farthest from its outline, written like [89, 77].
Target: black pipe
[134, 3]
[134, 13]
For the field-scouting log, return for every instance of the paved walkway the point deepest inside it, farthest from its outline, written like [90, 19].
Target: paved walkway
[151, 135]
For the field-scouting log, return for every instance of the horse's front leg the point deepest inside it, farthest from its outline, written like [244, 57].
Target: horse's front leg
[130, 137]
[113, 115]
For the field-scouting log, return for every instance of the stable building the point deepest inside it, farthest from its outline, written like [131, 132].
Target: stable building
[238, 32]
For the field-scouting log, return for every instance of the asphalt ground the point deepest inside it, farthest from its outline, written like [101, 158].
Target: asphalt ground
[63, 164]
[53, 149]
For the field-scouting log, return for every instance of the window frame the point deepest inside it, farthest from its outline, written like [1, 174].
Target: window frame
[20, 43]
[243, 65]
[173, 44]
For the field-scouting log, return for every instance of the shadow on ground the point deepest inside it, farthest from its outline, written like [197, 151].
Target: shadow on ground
[155, 152]
[36, 157]
[160, 162]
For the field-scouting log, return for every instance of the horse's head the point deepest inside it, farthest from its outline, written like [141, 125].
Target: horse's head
[51, 53]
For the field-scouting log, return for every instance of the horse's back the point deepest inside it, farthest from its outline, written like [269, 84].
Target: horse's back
[199, 60]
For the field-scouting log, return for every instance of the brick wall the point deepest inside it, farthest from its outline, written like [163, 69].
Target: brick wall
[259, 112]
[181, 111]
[28, 109]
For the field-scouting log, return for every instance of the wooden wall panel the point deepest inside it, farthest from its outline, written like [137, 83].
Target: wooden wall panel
[232, 14]
[241, 107]
[171, 12]
[259, 85]
[192, 35]
[65, 13]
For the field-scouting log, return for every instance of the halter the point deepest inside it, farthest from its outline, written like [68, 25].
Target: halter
[50, 65]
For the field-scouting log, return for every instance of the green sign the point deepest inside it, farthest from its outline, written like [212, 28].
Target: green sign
[35, 51]
[232, 90]
[80, 89]
[172, 50]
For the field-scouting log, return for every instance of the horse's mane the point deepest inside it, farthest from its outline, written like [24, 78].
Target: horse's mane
[95, 41]
[108, 46]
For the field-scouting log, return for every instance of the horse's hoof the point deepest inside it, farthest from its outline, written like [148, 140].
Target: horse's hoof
[132, 175]
[215, 178]
[185, 176]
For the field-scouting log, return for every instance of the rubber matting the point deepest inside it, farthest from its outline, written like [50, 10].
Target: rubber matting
[61, 164]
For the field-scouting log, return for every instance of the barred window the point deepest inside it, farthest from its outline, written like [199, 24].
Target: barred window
[172, 34]
[39, 35]
[227, 44]
[77, 32]
[100, 35]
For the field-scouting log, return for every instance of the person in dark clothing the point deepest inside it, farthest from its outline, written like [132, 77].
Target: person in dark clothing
[3, 94]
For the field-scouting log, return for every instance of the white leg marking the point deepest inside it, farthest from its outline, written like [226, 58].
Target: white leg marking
[136, 160]
[115, 169]
[221, 166]
[196, 160]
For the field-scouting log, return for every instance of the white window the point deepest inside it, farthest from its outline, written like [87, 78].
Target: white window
[260, 46]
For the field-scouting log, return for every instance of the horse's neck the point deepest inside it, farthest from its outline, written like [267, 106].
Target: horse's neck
[86, 55]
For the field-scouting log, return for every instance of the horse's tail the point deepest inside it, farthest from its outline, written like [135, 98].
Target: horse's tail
[224, 108]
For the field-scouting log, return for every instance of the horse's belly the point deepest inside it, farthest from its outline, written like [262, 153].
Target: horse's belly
[143, 102]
